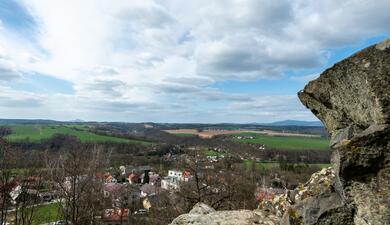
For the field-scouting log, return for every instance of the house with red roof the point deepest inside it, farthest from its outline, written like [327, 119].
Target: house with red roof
[115, 217]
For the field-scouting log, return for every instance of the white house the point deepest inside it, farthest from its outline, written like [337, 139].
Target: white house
[175, 173]
[172, 181]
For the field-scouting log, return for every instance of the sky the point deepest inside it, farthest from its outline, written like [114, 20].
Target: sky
[236, 61]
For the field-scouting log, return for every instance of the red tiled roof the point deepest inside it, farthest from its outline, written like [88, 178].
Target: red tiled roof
[186, 174]
[112, 187]
[115, 214]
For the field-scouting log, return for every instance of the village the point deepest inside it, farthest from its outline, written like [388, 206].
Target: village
[132, 191]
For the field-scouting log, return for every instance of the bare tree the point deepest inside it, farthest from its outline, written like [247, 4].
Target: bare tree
[6, 179]
[221, 189]
[28, 199]
[73, 173]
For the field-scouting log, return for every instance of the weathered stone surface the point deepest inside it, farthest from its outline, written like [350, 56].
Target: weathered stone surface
[199, 216]
[309, 201]
[315, 198]
[352, 99]
[201, 208]
[320, 185]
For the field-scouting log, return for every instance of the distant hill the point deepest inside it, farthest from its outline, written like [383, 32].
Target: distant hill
[283, 123]
[296, 123]
[26, 121]
[77, 121]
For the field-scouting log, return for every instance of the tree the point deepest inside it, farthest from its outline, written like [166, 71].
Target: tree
[220, 189]
[6, 180]
[26, 202]
[74, 175]
[4, 131]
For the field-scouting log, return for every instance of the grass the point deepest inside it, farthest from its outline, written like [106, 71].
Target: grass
[288, 143]
[185, 135]
[46, 213]
[36, 133]
[43, 214]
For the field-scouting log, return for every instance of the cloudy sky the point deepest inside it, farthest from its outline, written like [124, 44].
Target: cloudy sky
[174, 60]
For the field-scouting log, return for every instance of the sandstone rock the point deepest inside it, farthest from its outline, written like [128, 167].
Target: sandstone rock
[309, 201]
[202, 215]
[352, 99]
[201, 208]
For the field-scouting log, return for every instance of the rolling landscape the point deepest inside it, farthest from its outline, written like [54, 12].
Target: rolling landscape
[195, 112]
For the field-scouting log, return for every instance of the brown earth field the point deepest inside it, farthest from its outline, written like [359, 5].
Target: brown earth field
[212, 133]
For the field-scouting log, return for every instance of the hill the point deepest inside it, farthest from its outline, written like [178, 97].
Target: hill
[36, 133]
[296, 123]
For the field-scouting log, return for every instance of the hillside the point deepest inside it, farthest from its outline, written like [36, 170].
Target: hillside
[36, 133]
[296, 123]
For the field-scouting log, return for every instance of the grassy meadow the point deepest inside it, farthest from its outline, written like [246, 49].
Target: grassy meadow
[285, 142]
[46, 213]
[36, 133]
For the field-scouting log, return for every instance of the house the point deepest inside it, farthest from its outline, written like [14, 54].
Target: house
[117, 194]
[175, 173]
[113, 189]
[186, 176]
[111, 179]
[134, 178]
[154, 179]
[69, 181]
[146, 204]
[22, 193]
[125, 170]
[15, 192]
[148, 190]
[172, 181]
[115, 217]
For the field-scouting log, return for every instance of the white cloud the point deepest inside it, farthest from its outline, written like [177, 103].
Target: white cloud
[18, 99]
[305, 78]
[140, 56]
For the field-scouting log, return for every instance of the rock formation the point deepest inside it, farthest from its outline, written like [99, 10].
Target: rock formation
[309, 201]
[352, 99]
[202, 214]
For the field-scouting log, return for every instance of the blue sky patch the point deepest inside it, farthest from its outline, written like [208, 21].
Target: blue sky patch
[42, 84]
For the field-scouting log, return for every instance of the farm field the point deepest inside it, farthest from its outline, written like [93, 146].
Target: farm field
[284, 142]
[185, 135]
[212, 133]
[36, 133]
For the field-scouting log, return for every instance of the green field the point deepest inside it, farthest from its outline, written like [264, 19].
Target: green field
[36, 133]
[288, 143]
[46, 213]
[185, 135]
